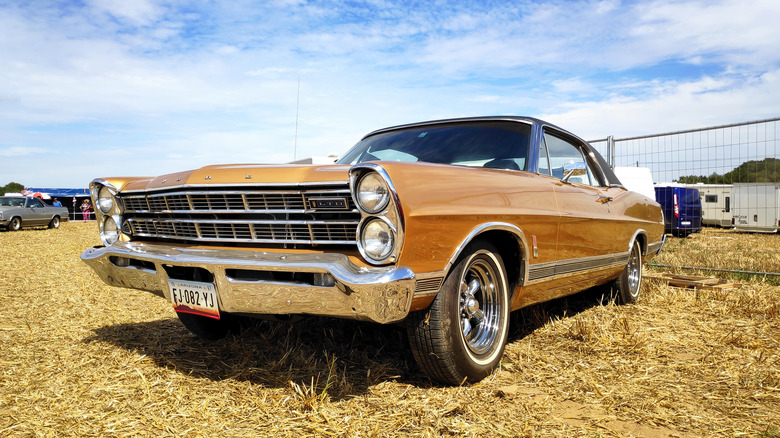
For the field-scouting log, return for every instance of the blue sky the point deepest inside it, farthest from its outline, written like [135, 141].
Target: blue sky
[98, 88]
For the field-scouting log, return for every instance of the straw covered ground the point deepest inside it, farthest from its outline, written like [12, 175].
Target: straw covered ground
[80, 358]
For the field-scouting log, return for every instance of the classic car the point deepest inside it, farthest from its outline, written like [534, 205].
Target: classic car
[17, 212]
[446, 226]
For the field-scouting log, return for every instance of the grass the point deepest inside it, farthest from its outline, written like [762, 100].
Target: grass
[80, 358]
[726, 249]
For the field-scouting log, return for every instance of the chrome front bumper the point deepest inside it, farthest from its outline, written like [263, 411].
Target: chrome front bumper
[263, 283]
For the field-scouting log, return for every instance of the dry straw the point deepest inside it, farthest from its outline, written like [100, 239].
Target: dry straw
[83, 359]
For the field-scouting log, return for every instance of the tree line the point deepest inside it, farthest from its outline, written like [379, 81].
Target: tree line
[11, 187]
[766, 170]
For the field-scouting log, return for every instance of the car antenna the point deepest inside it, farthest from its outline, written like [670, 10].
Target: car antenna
[297, 105]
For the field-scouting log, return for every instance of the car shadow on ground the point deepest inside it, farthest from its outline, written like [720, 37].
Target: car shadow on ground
[350, 355]
[527, 320]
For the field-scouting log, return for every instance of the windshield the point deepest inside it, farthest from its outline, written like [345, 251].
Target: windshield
[495, 144]
[6, 201]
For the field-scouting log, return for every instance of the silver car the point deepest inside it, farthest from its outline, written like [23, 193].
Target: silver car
[18, 212]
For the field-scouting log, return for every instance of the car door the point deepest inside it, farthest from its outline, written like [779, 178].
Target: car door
[587, 224]
[35, 213]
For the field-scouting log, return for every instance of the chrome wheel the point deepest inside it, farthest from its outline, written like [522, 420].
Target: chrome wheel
[634, 270]
[15, 225]
[461, 336]
[629, 283]
[479, 306]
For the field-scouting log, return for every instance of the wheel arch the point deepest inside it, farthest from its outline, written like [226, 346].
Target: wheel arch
[511, 244]
[641, 237]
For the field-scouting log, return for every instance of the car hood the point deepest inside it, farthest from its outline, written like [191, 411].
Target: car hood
[230, 174]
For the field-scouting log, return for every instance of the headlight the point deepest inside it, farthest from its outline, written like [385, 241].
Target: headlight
[105, 200]
[373, 194]
[110, 231]
[377, 240]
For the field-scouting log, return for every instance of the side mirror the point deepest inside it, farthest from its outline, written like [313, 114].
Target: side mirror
[573, 169]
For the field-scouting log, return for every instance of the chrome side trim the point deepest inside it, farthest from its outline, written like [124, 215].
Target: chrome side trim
[426, 287]
[656, 247]
[378, 294]
[566, 268]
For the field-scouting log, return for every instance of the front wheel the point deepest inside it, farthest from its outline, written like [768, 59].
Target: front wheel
[461, 336]
[15, 224]
[630, 280]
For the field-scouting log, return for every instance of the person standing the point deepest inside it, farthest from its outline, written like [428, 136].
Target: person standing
[85, 207]
[56, 203]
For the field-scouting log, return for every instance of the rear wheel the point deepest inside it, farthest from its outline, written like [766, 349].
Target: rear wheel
[55, 222]
[461, 337]
[15, 224]
[630, 280]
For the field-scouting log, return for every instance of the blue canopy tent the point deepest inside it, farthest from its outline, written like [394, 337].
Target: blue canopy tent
[70, 198]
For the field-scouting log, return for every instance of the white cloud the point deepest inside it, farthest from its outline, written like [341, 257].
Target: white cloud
[687, 105]
[136, 12]
[110, 85]
[20, 151]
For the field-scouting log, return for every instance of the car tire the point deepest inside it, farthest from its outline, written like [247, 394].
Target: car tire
[629, 283]
[461, 336]
[210, 328]
[55, 222]
[15, 224]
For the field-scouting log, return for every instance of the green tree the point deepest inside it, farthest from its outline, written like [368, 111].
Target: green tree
[12, 187]
[766, 170]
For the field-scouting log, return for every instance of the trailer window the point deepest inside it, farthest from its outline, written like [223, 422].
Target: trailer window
[710, 198]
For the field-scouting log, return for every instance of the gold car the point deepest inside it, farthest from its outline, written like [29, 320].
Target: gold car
[446, 225]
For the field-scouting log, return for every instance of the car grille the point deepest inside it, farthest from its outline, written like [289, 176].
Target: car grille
[302, 217]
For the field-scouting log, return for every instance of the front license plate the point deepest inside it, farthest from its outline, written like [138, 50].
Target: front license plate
[685, 223]
[194, 297]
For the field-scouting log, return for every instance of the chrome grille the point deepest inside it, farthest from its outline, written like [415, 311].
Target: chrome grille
[261, 216]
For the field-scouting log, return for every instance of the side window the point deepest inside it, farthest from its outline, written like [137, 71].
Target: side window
[563, 152]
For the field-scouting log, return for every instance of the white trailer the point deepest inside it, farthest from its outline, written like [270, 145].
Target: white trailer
[757, 207]
[716, 202]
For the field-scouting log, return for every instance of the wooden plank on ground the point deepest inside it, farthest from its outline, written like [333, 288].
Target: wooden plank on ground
[692, 281]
